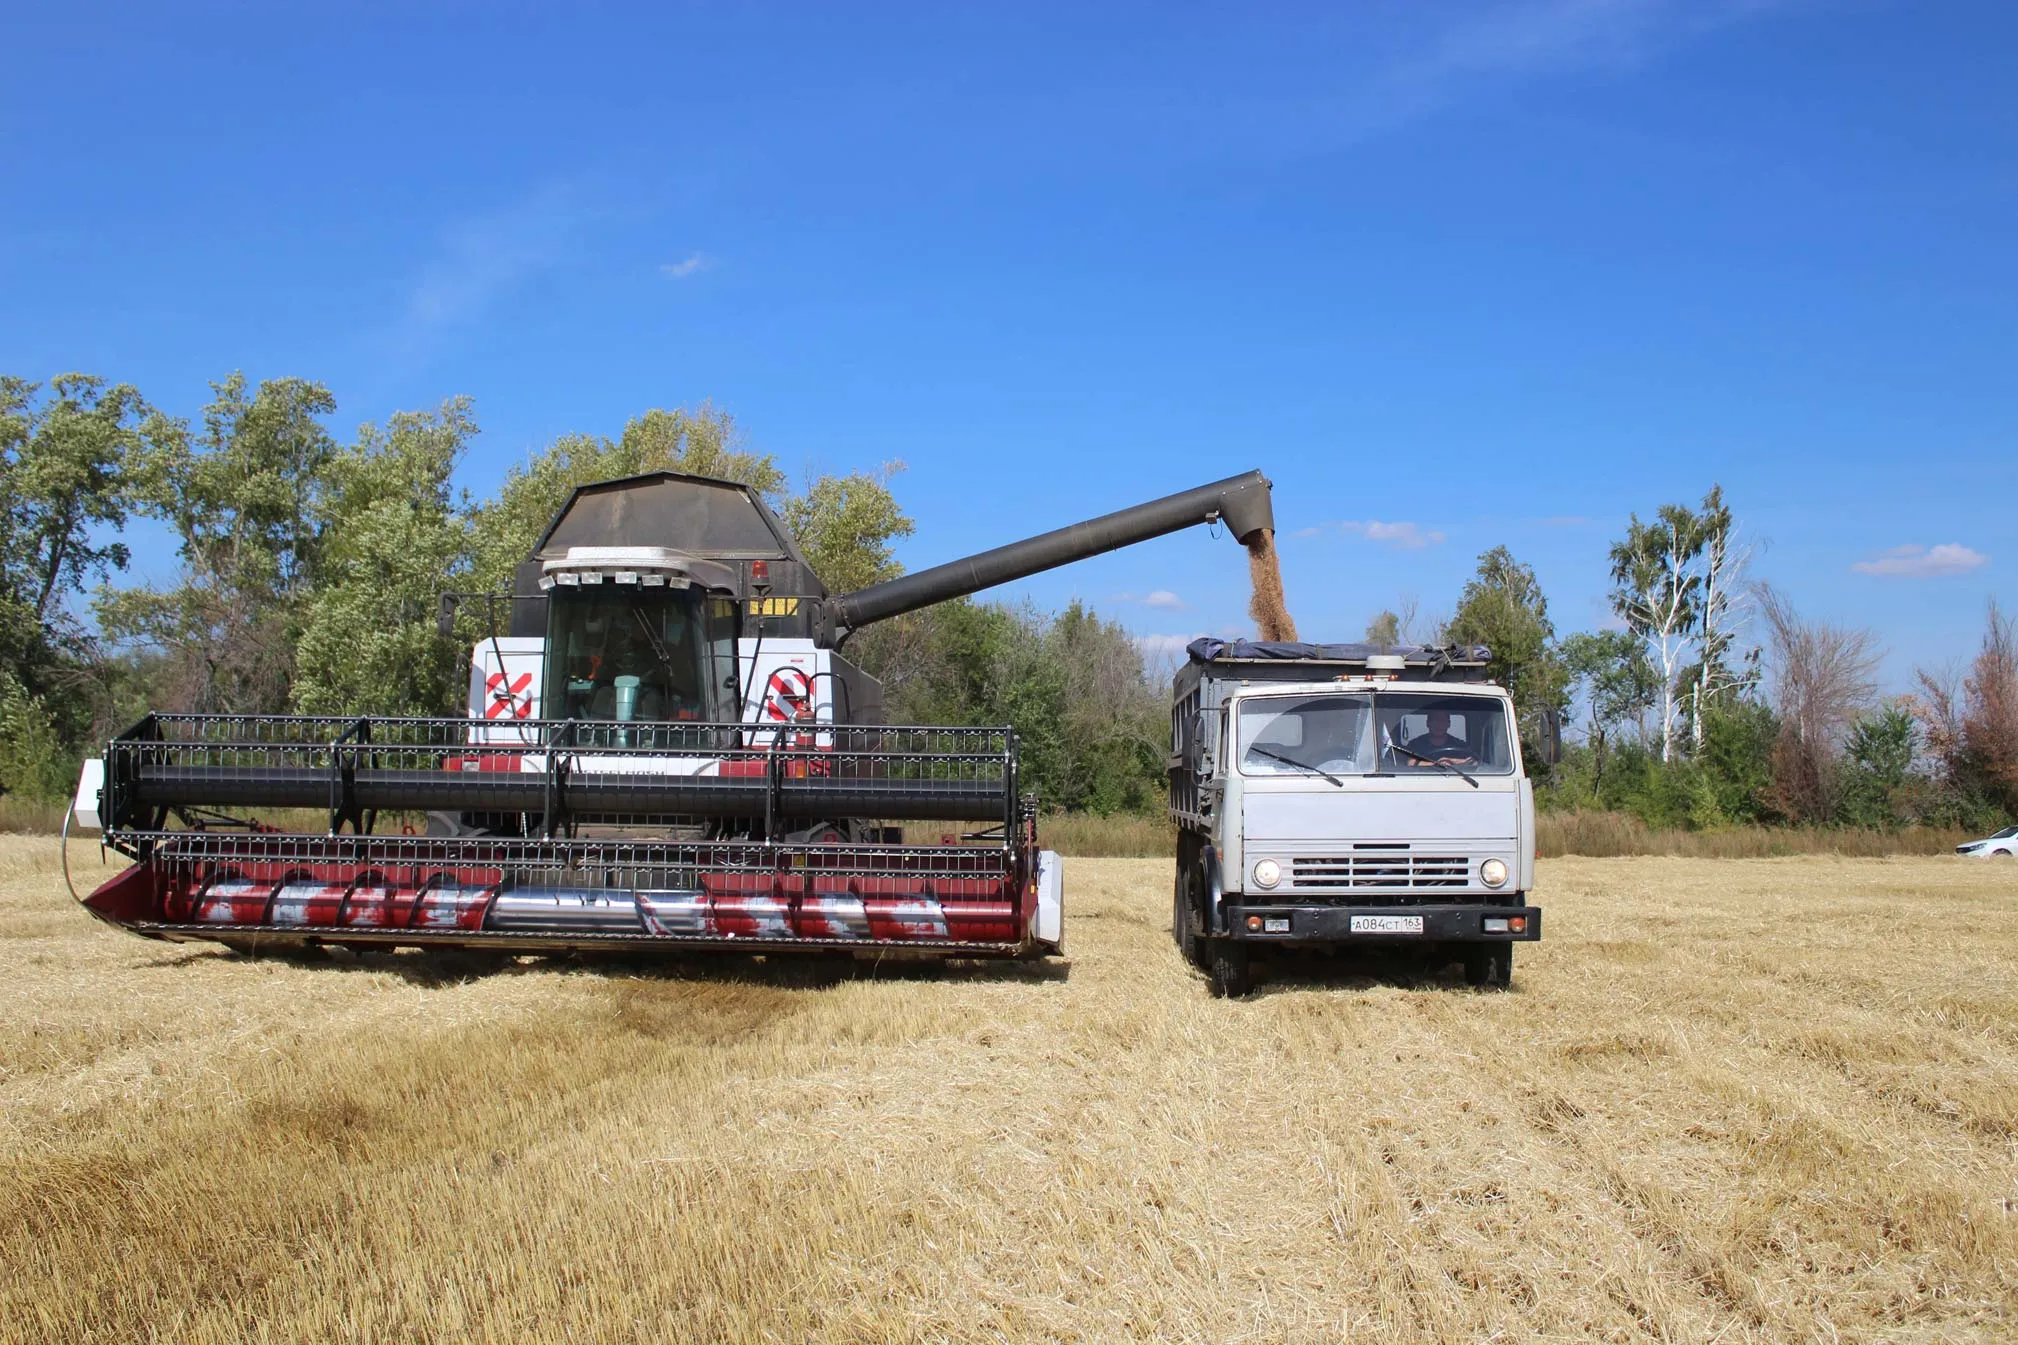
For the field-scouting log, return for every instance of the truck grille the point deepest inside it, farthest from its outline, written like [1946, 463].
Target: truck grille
[1380, 870]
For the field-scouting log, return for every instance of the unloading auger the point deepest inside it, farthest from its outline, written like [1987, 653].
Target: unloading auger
[666, 752]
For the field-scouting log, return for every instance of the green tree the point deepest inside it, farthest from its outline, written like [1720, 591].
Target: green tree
[244, 497]
[63, 465]
[1877, 768]
[703, 442]
[393, 542]
[1091, 728]
[1116, 725]
[1609, 671]
[846, 525]
[1734, 766]
[65, 453]
[1502, 607]
[1384, 629]
[37, 759]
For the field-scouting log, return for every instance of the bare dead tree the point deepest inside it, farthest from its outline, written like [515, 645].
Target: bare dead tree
[1990, 731]
[1415, 626]
[1823, 678]
[1972, 729]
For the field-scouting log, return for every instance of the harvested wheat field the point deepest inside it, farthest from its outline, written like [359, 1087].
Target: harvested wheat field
[1728, 1100]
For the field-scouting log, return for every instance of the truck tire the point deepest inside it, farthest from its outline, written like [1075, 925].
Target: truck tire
[1190, 944]
[1231, 975]
[1489, 966]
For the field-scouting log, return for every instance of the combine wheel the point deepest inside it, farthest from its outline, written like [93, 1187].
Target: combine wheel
[1489, 966]
[1229, 971]
[465, 964]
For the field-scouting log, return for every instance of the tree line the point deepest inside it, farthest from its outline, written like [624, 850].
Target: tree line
[1710, 701]
[309, 571]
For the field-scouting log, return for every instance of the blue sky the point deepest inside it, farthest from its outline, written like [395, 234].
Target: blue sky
[1452, 275]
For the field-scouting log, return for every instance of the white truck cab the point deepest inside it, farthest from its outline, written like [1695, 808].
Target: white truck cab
[1330, 795]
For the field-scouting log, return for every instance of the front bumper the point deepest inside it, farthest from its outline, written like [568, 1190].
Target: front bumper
[1333, 924]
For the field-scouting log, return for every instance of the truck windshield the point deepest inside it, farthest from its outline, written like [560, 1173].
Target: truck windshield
[1387, 732]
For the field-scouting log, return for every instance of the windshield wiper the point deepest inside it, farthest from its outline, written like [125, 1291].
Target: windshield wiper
[657, 647]
[1300, 765]
[1437, 762]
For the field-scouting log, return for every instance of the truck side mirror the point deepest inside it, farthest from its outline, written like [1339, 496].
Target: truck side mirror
[444, 618]
[1552, 736]
[1203, 731]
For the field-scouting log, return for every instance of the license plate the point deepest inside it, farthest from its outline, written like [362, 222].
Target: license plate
[1387, 924]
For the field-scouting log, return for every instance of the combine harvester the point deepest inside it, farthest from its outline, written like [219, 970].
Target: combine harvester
[666, 753]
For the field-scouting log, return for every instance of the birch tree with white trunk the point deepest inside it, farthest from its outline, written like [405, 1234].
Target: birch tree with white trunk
[1722, 610]
[1657, 592]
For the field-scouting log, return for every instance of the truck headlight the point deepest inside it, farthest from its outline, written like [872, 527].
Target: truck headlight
[1493, 873]
[1267, 873]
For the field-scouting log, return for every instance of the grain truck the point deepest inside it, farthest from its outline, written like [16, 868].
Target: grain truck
[1330, 796]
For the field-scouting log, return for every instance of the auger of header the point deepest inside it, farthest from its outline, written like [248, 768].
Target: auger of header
[664, 750]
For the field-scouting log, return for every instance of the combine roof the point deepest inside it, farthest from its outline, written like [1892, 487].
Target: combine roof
[700, 515]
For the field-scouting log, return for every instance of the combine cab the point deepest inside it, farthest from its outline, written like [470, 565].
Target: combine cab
[666, 752]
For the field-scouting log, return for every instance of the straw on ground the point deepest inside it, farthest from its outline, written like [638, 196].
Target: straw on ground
[1743, 1100]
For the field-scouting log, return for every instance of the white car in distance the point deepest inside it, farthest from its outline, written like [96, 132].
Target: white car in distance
[2003, 844]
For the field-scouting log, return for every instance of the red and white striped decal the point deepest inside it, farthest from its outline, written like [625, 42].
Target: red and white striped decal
[788, 696]
[508, 699]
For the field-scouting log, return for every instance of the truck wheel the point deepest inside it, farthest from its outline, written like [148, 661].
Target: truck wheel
[1189, 944]
[1231, 975]
[1489, 966]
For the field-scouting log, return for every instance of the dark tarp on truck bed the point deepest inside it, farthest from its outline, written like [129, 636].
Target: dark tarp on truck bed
[1207, 649]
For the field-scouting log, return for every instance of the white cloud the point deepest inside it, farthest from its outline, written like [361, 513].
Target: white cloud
[1161, 598]
[1506, 40]
[484, 256]
[1403, 536]
[680, 270]
[1162, 649]
[1913, 561]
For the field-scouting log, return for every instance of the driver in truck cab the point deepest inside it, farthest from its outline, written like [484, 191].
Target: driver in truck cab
[1438, 745]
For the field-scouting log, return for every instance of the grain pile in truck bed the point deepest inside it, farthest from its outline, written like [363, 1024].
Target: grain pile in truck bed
[1755, 1100]
[1267, 606]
